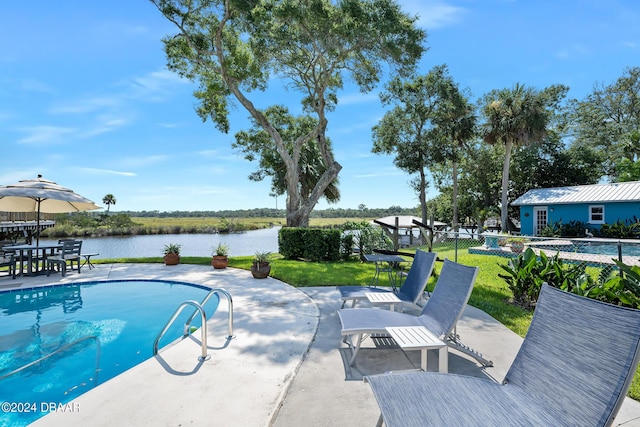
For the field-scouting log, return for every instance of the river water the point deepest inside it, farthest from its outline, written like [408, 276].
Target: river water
[247, 243]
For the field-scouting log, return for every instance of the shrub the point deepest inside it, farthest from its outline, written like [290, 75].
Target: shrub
[346, 246]
[552, 229]
[367, 237]
[309, 243]
[291, 242]
[628, 229]
[620, 289]
[527, 272]
[573, 229]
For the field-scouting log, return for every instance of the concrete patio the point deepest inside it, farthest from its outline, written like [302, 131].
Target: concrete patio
[286, 365]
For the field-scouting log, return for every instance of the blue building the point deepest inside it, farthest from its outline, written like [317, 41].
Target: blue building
[593, 205]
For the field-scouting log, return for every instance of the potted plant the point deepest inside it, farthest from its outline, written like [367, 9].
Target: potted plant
[220, 256]
[171, 254]
[517, 244]
[261, 266]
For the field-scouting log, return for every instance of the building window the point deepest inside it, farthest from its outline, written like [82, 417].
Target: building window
[596, 214]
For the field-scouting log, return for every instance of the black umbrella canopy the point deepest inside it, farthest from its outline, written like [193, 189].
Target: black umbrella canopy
[41, 195]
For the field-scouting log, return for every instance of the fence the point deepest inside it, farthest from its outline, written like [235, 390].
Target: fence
[593, 252]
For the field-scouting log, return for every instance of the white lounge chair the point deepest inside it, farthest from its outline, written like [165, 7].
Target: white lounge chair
[439, 315]
[573, 369]
[411, 290]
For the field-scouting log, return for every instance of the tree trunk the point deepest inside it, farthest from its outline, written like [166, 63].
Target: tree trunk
[297, 217]
[298, 207]
[504, 208]
[423, 195]
[455, 224]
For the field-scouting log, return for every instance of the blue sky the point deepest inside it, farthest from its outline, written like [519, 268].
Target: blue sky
[86, 100]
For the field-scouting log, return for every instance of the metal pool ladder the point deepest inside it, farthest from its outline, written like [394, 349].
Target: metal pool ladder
[199, 308]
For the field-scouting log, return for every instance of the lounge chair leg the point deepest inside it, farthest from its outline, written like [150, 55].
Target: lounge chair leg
[454, 343]
[380, 421]
[355, 348]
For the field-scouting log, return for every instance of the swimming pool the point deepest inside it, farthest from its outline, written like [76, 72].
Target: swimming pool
[100, 329]
[610, 249]
[606, 248]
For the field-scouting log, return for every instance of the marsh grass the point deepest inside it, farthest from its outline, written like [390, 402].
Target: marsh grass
[212, 223]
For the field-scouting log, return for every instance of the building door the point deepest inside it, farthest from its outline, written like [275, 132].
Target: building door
[539, 219]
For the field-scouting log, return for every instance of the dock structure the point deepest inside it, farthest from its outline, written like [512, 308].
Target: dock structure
[22, 230]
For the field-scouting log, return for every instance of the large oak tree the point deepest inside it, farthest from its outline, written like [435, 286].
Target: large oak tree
[608, 121]
[233, 47]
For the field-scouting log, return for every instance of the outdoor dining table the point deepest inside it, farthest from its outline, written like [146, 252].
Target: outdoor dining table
[33, 254]
[384, 264]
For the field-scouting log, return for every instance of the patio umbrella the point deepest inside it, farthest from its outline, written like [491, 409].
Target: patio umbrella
[40, 195]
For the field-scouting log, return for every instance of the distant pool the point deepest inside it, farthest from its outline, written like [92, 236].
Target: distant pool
[112, 324]
[611, 249]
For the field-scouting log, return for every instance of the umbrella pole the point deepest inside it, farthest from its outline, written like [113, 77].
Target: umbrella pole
[38, 225]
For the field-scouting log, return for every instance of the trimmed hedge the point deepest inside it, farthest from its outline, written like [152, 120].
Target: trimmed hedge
[314, 244]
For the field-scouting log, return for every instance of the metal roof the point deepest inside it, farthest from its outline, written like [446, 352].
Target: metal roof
[596, 193]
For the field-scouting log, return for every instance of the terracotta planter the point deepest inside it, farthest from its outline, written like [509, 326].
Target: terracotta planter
[261, 270]
[171, 259]
[219, 261]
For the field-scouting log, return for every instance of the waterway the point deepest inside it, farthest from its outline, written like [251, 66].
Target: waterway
[247, 243]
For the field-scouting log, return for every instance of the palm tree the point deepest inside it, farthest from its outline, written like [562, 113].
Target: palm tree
[516, 116]
[109, 200]
[458, 124]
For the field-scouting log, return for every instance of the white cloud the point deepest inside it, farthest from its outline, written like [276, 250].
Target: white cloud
[97, 171]
[138, 29]
[168, 125]
[208, 153]
[35, 86]
[18, 175]
[144, 161]
[153, 86]
[4, 116]
[106, 123]
[45, 134]
[87, 105]
[378, 174]
[358, 98]
[572, 51]
[434, 13]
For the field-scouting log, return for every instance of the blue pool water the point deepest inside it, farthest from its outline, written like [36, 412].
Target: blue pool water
[125, 316]
[608, 249]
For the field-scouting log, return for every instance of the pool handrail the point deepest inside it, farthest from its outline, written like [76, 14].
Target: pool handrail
[64, 347]
[204, 301]
[203, 328]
